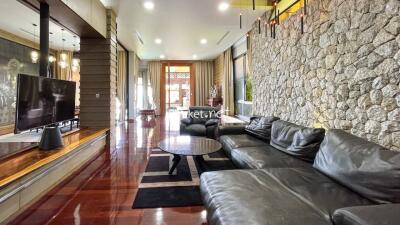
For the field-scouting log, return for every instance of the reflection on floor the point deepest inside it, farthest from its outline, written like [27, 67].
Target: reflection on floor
[104, 190]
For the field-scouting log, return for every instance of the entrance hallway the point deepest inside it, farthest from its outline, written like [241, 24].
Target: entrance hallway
[102, 192]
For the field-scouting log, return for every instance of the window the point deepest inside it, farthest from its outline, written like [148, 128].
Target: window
[243, 87]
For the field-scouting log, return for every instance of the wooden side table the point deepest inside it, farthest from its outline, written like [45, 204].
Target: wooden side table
[215, 102]
[147, 112]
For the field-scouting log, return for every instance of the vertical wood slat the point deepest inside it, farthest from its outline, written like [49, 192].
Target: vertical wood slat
[98, 77]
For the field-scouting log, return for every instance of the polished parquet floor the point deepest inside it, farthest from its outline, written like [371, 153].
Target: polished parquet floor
[102, 192]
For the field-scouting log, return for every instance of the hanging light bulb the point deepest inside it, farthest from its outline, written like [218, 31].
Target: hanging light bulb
[34, 56]
[34, 53]
[63, 56]
[75, 61]
[51, 58]
[63, 64]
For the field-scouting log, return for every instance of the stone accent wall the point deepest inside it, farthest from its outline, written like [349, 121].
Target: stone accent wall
[343, 72]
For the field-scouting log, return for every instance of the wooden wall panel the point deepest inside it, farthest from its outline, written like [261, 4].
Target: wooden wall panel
[99, 77]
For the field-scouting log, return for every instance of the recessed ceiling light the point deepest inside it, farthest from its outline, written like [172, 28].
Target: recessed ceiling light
[203, 41]
[158, 41]
[194, 56]
[149, 5]
[223, 6]
[162, 56]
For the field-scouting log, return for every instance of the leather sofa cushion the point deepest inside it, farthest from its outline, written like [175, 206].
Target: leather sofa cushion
[367, 168]
[201, 114]
[196, 130]
[260, 127]
[386, 214]
[265, 157]
[278, 196]
[230, 142]
[296, 140]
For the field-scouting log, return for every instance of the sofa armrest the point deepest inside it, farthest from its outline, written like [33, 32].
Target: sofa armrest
[211, 122]
[186, 121]
[387, 214]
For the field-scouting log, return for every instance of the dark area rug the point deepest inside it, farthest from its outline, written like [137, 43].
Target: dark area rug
[167, 197]
[159, 189]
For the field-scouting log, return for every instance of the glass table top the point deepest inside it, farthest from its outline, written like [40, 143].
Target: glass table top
[189, 145]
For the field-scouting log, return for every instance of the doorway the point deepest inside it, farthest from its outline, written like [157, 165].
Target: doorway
[177, 87]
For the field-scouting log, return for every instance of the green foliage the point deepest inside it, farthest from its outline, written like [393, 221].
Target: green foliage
[249, 89]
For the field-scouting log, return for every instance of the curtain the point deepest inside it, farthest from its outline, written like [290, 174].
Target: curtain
[249, 57]
[227, 81]
[66, 73]
[121, 83]
[204, 81]
[154, 74]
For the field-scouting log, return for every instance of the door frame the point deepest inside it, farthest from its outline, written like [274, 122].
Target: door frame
[163, 90]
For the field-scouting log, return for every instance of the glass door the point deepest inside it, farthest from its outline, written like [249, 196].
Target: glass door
[177, 88]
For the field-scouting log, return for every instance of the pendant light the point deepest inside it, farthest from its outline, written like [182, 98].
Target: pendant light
[51, 58]
[75, 61]
[34, 53]
[240, 15]
[266, 22]
[63, 56]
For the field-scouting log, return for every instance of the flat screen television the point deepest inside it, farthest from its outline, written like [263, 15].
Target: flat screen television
[42, 101]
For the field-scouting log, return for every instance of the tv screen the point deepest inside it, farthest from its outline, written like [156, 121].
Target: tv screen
[43, 101]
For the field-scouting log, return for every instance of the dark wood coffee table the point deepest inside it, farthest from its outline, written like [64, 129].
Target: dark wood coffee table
[188, 146]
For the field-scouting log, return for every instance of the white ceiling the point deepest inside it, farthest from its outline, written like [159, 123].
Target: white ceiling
[180, 24]
[17, 19]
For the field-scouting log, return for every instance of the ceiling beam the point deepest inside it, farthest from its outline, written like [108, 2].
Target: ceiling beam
[65, 17]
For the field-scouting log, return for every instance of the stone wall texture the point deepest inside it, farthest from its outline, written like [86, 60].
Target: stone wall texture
[343, 72]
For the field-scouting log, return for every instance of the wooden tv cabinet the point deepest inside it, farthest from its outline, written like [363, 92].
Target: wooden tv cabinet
[28, 175]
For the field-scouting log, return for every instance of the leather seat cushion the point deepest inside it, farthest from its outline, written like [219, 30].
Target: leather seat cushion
[260, 127]
[363, 166]
[265, 157]
[296, 140]
[230, 142]
[196, 129]
[384, 214]
[278, 196]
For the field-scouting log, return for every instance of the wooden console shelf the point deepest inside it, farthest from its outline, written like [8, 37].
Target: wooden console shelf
[15, 167]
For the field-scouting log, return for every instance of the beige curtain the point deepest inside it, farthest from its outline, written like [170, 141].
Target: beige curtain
[66, 73]
[136, 74]
[204, 81]
[154, 74]
[249, 57]
[121, 82]
[227, 84]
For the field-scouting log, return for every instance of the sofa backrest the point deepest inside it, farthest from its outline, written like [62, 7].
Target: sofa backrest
[301, 142]
[364, 167]
[201, 114]
[260, 127]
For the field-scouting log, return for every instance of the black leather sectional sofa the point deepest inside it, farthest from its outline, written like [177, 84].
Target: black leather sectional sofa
[293, 175]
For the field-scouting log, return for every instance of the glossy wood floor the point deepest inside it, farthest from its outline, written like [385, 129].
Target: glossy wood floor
[103, 191]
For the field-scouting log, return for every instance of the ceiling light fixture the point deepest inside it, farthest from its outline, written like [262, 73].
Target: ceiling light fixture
[194, 56]
[149, 5]
[158, 41]
[223, 6]
[162, 56]
[203, 41]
